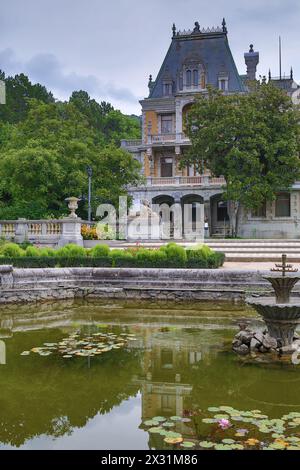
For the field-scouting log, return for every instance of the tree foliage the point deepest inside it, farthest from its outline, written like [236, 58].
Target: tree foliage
[252, 140]
[43, 160]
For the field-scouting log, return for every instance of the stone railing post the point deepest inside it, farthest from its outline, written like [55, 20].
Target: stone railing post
[71, 225]
[21, 231]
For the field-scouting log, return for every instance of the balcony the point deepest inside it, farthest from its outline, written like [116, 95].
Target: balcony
[164, 139]
[204, 180]
[131, 145]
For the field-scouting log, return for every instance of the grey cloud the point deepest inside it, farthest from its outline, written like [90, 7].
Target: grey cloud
[47, 70]
[110, 48]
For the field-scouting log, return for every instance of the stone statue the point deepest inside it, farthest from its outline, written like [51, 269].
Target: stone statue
[197, 27]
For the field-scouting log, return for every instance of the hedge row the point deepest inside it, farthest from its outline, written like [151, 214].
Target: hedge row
[168, 256]
[214, 261]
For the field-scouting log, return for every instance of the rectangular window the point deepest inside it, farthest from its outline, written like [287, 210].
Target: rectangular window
[166, 124]
[166, 168]
[283, 205]
[260, 211]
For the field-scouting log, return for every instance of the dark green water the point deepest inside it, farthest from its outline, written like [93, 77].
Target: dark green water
[181, 362]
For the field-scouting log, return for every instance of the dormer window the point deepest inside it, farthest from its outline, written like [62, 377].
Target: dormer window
[167, 87]
[223, 82]
[194, 78]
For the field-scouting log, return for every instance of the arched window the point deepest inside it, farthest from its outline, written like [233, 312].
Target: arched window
[188, 78]
[196, 77]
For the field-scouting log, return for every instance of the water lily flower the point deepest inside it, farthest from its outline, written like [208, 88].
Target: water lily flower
[242, 431]
[224, 423]
[252, 442]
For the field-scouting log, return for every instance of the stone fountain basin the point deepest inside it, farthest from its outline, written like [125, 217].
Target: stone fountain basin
[269, 309]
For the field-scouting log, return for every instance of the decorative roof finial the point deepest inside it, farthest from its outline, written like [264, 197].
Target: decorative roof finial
[174, 30]
[292, 73]
[150, 81]
[197, 27]
[251, 48]
[224, 27]
[270, 75]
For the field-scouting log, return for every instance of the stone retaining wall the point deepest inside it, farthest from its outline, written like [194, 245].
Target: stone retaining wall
[32, 285]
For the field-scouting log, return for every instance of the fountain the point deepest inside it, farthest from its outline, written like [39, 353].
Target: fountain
[281, 315]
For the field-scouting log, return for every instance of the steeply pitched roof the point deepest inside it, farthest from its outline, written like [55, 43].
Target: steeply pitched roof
[208, 47]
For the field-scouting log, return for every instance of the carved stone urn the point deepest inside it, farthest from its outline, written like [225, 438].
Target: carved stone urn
[73, 206]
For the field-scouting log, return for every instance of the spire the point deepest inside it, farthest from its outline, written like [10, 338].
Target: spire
[270, 75]
[292, 74]
[224, 27]
[174, 30]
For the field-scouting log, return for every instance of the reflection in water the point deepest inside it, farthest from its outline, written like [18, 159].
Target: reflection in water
[181, 362]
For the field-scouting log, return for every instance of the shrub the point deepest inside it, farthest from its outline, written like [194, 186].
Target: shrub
[122, 258]
[11, 250]
[89, 233]
[176, 255]
[46, 252]
[196, 259]
[71, 251]
[32, 251]
[99, 251]
[216, 259]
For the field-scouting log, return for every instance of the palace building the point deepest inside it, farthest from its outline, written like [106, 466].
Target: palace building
[197, 58]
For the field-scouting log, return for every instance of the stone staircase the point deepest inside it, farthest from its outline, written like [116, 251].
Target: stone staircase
[256, 250]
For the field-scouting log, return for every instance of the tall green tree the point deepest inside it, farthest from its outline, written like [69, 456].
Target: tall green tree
[111, 125]
[19, 90]
[43, 160]
[252, 140]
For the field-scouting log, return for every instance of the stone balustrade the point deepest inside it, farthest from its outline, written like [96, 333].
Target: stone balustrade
[203, 180]
[42, 232]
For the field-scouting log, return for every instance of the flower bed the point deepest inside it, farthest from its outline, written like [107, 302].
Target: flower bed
[168, 256]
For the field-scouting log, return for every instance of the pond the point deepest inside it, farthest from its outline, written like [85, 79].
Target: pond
[125, 375]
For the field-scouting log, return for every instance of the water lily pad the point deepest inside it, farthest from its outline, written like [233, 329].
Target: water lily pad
[228, 441]
[237, 447]
[159, 419]
[25, 353]
[175, 418]
[218, 417]
[213, 409]
[155, 430]
[168, 424]
[67, 356]
[150, 422]
[187, 444]
[222, 447]
[208, 420]
[173, 440]
[206, 444]
[173, 434]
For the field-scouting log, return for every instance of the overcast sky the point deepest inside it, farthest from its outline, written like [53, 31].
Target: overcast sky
[109, 48]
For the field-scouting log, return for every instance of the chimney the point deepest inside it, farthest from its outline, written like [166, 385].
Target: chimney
[252, 60]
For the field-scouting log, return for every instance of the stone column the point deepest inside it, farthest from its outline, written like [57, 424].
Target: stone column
[21, 231]
[71, 226]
